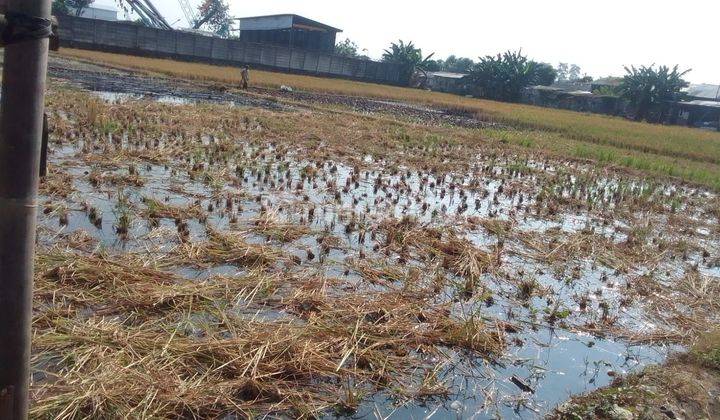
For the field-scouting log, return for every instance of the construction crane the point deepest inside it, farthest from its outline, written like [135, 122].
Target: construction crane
[188, 11]
[196, 21]
[148, 13]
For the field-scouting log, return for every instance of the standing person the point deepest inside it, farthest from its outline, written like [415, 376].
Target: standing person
[245, 77]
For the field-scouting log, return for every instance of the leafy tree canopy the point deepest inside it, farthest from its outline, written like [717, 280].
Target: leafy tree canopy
[545, 74]
[347, 48]
[215, 17]
[60, 7]
[435, 65]
[457, 64]
[64, 7]
[568, 72]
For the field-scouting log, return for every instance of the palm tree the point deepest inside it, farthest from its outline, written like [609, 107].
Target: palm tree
[408, 57]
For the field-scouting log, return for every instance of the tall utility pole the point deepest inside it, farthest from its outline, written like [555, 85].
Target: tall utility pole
[23, 93]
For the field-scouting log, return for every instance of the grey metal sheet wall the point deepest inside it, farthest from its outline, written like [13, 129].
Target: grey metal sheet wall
[147, 39]
[166, 42]
[311, 62]
[220, 50]
[134, 39]
[184, 44]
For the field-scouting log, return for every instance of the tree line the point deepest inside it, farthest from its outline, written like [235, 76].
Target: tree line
[500, 77]
[650, 90]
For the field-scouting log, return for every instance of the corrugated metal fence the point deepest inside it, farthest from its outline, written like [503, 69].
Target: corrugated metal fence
[139, 40]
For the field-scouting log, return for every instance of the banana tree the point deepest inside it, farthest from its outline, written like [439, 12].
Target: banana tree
[649, 89]
[409, 58]
[502, 77]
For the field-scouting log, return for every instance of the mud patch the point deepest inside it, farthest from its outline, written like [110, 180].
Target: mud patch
[134, 85]
[412, 112]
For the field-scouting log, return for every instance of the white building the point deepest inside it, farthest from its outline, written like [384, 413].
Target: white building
[99, 13]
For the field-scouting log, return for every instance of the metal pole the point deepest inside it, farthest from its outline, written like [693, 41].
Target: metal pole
[23, 92]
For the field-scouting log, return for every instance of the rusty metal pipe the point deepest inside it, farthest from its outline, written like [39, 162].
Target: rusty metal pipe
[22, 105]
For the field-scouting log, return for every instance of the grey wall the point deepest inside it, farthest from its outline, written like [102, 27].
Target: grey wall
[133, 39]
[553, 98]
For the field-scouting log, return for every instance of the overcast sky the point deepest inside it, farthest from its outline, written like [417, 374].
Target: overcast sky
[599, 36]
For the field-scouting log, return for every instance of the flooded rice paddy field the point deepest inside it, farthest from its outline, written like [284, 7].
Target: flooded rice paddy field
[202, 259]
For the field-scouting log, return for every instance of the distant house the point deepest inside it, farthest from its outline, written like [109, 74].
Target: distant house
[608, 84]
[443, 81]
[698, 113]
[701, 108]
[99, 13]
[291, 31]
[582, 85]
[581, 99]
[703, 92]
[571, 86]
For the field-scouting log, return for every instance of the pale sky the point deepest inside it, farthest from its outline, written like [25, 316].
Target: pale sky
[599, 36]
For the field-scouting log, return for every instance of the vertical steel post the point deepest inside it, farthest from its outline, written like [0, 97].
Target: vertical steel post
[23, 94]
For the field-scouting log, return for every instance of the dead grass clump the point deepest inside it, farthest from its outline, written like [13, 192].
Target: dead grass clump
[98, 178]
[553, 245]
[271, 226]
[214, 362]
[56, 184]
[379, 273]
[229, 248]
[159, 210]
[81, 240]
[689, 304]
[715, 208]
[473, 334]
[117, 285]
[456, 254]
[155, 370]
[462, 257]
[91, 271]
[499, 228]
[397, 321]
[527, 288]
[92, 111]
[707, 349]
